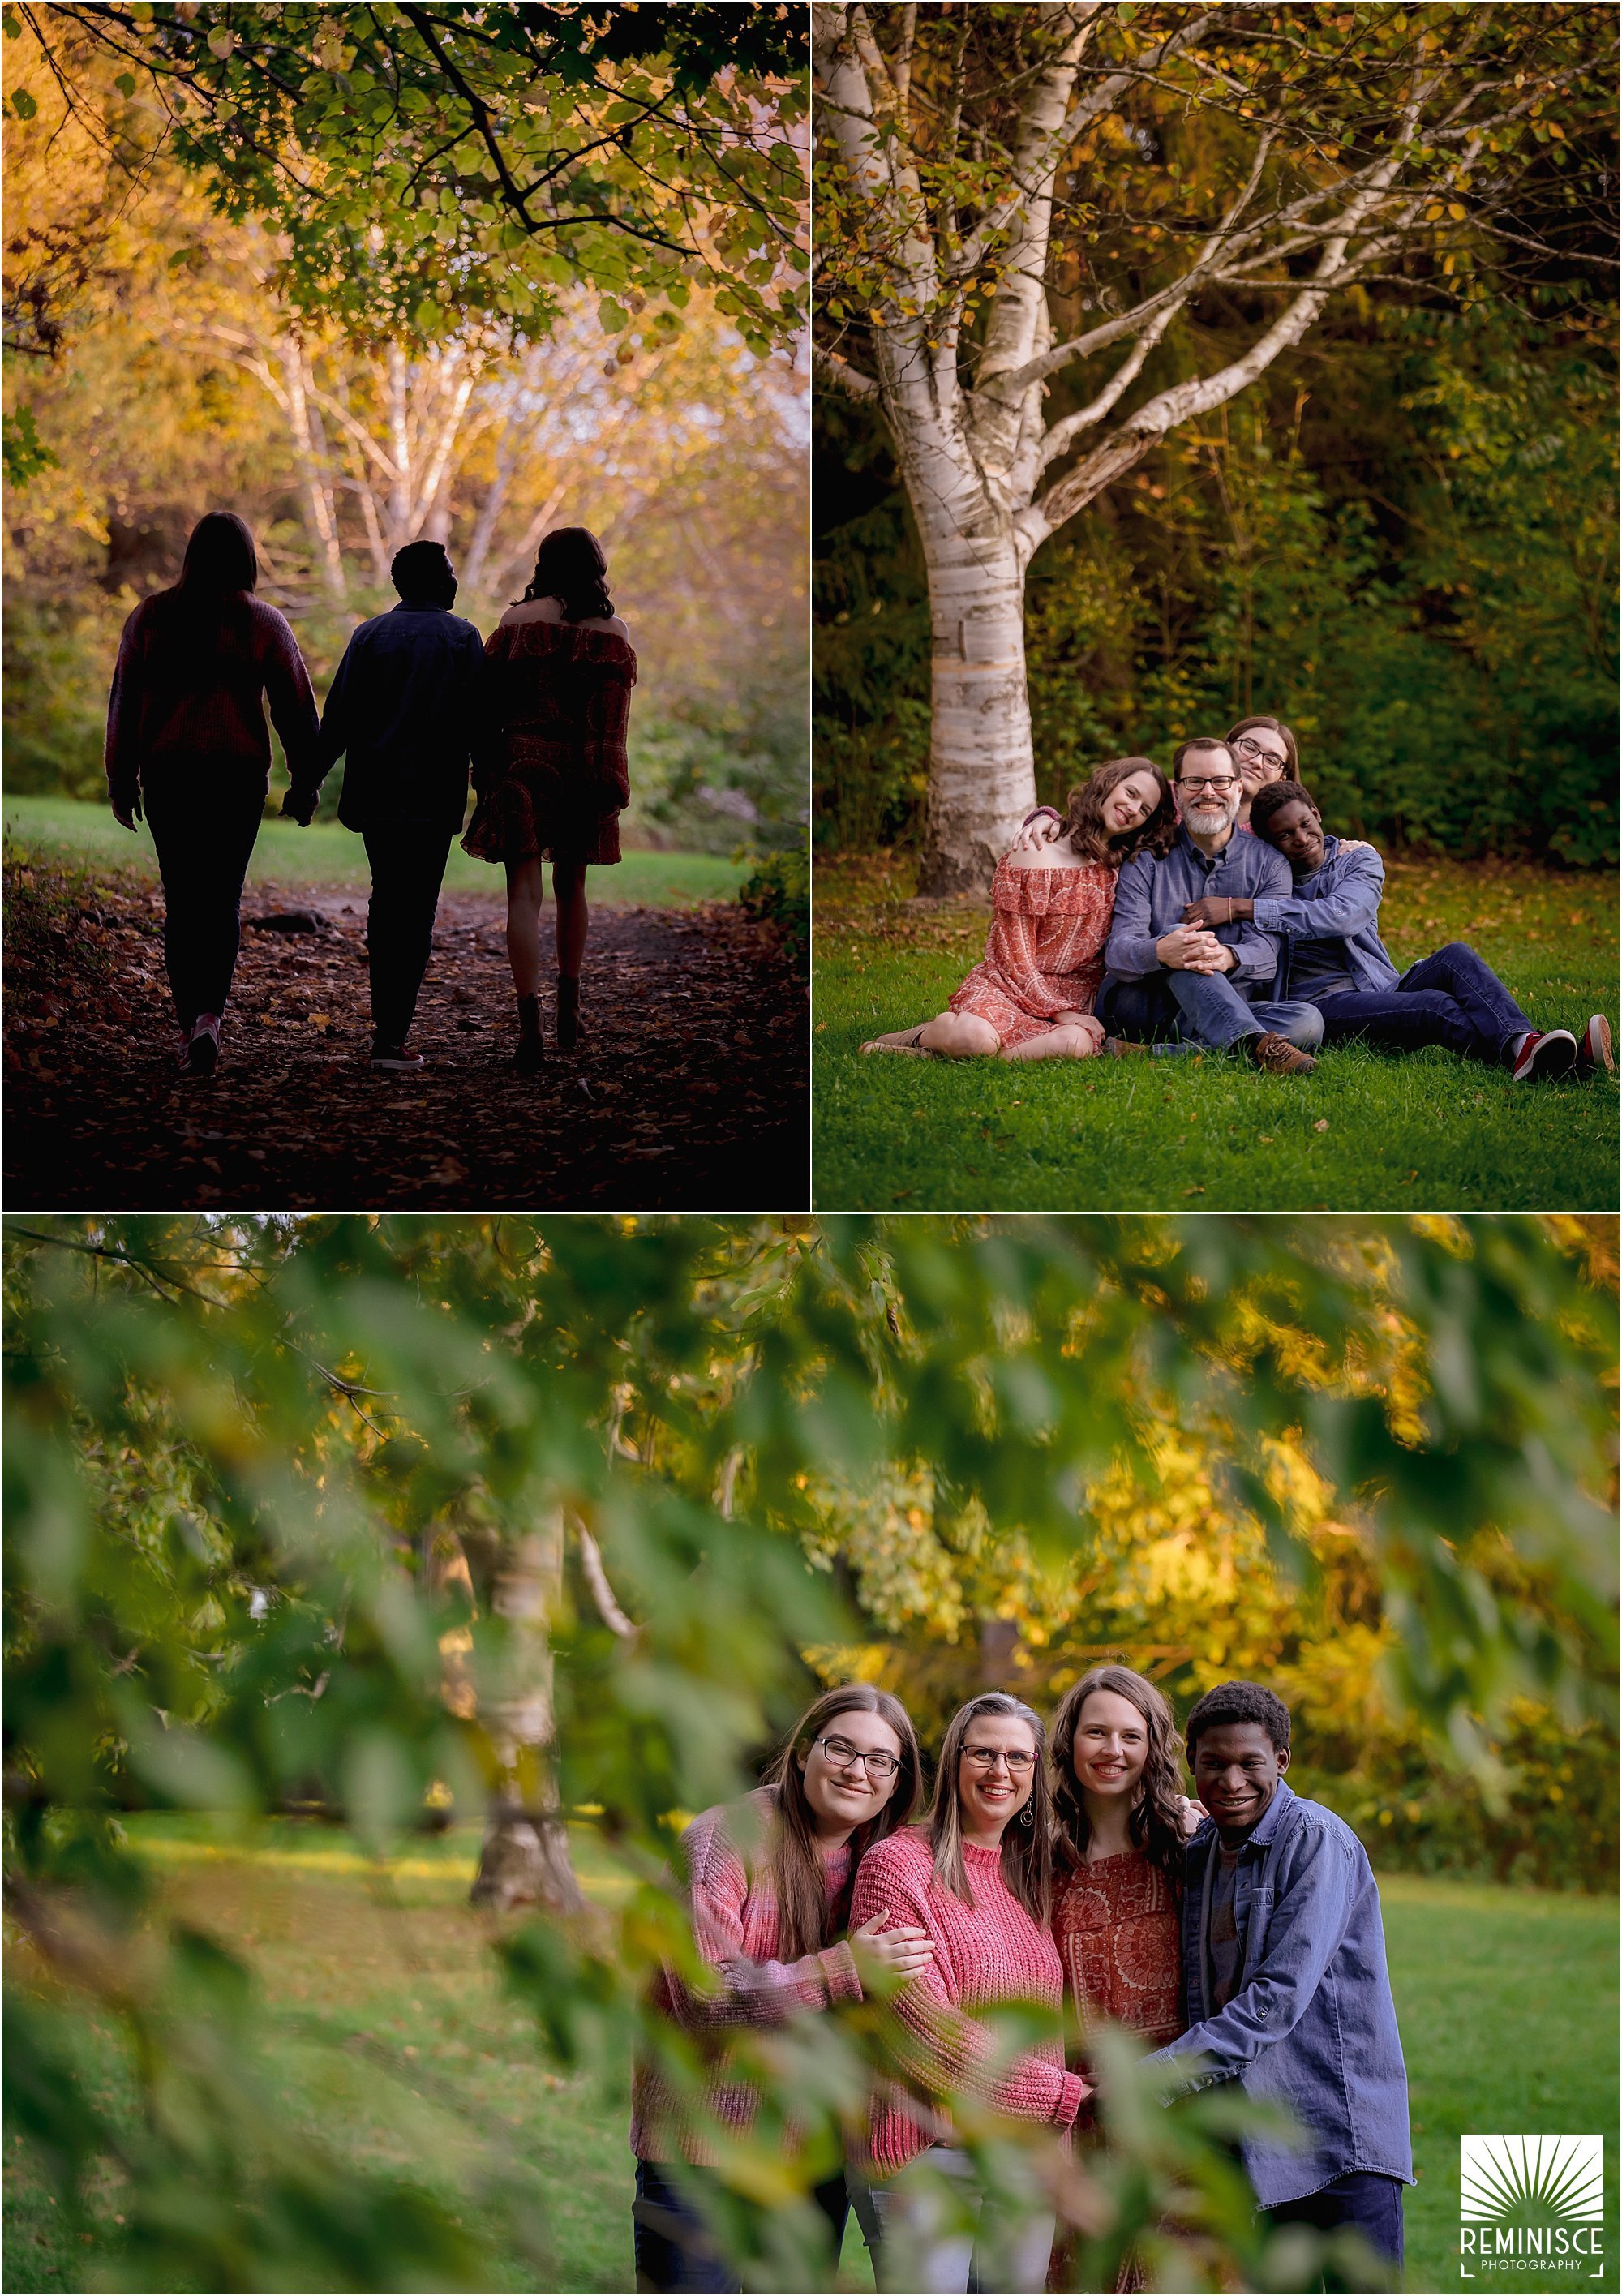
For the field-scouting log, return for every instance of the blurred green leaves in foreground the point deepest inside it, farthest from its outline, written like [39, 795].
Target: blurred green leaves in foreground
[389, 1520]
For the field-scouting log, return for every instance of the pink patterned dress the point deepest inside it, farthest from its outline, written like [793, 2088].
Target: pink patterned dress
[1044, 953]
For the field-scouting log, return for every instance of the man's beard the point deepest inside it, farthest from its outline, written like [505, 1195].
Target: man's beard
[1208, 819]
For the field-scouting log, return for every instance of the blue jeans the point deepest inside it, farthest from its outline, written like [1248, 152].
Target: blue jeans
[1452, 999]
[1200, 1008]
[1371, 2203]
[674, 2248]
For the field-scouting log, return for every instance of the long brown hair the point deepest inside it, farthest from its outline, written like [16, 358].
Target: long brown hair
[220, 569]
[806, 1919]
[1292, 763]
[1156, 1823]
[1027, 1850]
[570, 567]
[1085, 817]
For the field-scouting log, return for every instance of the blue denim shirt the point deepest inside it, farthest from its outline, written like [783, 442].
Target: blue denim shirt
[1149, 897]
[1312, 2027]
[1340, 898]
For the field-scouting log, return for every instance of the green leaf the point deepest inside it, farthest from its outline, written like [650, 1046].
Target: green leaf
[23, 104]
[611, 316]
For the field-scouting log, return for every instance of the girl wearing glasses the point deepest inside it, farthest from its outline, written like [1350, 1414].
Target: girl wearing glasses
[769, 1886]
[1263, 750]
[975, 1875]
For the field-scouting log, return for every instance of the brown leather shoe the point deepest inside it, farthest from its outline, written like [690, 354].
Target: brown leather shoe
[1121, 1048]
[1278, 1056]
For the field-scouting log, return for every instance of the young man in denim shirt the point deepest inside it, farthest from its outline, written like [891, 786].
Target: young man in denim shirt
[1284, 1962]
[1331, 952]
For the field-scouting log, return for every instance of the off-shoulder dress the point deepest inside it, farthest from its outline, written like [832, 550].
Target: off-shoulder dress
[1044, 953]
[559, 698]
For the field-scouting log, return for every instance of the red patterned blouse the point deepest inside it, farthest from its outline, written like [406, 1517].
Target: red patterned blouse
[1118, 1929]
[1044, 953]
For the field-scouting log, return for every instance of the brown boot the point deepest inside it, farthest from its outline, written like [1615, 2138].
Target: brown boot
[531, 1053]
[1277, 1056]
[568, 1013]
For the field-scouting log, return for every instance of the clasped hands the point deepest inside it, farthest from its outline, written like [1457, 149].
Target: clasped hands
[1191, 948]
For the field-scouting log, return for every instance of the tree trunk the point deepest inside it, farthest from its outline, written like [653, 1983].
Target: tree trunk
[982, 778]
[525, 1859]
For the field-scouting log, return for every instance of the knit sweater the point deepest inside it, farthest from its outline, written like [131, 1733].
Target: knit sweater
[177, 701]
[985, 1952]
[733, 1912]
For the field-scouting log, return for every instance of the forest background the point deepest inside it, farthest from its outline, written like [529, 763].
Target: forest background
[323, 1533]
[154, 369]
[1401, 539]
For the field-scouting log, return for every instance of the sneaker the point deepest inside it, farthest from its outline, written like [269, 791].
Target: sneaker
[1545, 1054]
[1594, 1049]
[396, 1056]
[202, 1047]
[1277, 1056]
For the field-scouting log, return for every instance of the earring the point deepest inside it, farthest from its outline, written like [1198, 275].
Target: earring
[1027, 1816]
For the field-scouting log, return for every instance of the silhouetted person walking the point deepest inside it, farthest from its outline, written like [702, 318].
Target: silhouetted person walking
[562, 670]
[187, 736]
[406, 712]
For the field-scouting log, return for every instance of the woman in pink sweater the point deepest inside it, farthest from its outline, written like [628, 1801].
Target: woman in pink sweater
[975, 1877]
[769, 1892]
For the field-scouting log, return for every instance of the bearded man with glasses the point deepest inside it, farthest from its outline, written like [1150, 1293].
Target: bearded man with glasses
[1175, 986]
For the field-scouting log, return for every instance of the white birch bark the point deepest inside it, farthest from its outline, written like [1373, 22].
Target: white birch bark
[525, 1859]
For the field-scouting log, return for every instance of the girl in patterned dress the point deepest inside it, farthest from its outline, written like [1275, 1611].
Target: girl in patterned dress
[1122, 1820]
[1030, 999]
[560, 673]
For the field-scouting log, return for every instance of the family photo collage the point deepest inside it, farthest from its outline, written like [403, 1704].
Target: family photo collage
[812, 1207]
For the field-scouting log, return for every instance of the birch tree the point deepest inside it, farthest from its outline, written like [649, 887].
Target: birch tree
[1031, 221]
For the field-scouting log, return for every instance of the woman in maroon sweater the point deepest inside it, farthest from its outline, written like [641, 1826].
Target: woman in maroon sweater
[975, 1876]
[1122, 1818]
[185, 735]
[768, 1889]
[562, 670]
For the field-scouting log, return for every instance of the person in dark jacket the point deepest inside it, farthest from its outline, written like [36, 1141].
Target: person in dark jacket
[186, 738]
[406, 712]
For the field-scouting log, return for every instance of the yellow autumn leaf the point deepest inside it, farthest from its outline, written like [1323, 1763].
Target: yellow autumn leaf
[1455, 210]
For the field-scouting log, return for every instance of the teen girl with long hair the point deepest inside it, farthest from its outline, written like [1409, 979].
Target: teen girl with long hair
[1031, 995]
[186, 738]
[769, 1887]
[562, 670]
[976, 1876]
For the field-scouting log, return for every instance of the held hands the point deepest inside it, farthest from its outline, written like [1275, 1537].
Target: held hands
[1188, 949]
[300, 806]
[902, 1953]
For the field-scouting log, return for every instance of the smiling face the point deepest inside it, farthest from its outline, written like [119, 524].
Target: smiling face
[1111, 1748]
[1130, 803]
[1261, 758]
[990, 1792]
[842, 1792]
[1297, 832]
[1237, 1768]
[1209, 791]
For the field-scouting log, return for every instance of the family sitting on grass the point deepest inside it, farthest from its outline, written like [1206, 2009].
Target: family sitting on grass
[1238, 1937]
[1216, 912]
[539, 712]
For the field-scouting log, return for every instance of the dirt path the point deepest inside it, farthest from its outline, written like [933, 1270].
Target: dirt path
[688, 1095]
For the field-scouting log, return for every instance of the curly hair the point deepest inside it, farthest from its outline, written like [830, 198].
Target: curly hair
[1085, 815]
[1240, 1701]
[1271, 798]
[1156, 1823]
[570, 567]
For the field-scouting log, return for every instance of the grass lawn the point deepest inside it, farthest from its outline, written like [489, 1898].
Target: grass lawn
[58, 829]
[1369, 1132]
[388, 2041]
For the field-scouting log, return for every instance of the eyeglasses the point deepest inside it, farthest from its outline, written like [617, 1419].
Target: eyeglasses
[844, 1756]
[1205, 781]
[1254, 750]
[987, 1757]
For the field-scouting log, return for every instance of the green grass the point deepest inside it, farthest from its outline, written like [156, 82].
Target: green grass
[387, 2039]
[59, 830]
[1369, 1132]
